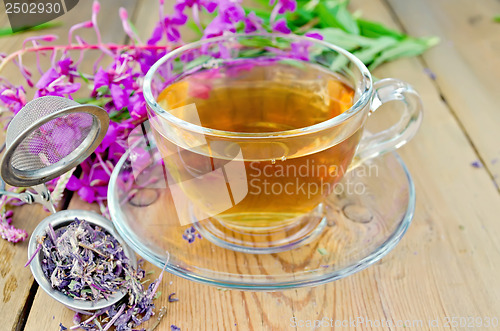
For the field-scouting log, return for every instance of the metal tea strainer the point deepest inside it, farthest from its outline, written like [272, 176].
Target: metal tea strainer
[49, 136]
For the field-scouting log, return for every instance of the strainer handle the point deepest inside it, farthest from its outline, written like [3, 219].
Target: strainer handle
[43, 196]
[21, 196]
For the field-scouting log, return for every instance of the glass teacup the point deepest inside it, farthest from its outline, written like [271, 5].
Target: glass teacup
[255, 131]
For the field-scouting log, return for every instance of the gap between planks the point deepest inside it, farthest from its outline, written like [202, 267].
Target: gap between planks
[23, 317]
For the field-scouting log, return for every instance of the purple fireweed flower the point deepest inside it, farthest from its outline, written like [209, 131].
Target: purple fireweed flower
[148, 58]
[231, 11]
[13, 97]
[126, 25]
[284, 5]
[218, 27]
[168, 27]
[67, 68]
[314, 35]
[252, 23]
[94, 182]
[190, 235]
[115, 140]
[8, 231]
[209, 5]
[112, 135]
[280, 26]
[137, 109]
[300, 50]
[55, 83]
[119, 79]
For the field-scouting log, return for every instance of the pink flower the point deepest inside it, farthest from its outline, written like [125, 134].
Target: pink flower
[118, 82]
[67, 68]
[231, 11]
[218, 27]
[280, 26]
[55, 83]
[252, 23]
[93, 185]
[284, 5]
[314, 35]
[209, 5]
[8, 231]
[300, 50]
[169, 27]
[138, 109]
[13, 97]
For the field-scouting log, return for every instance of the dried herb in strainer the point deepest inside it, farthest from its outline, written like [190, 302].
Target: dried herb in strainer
[87, 263]
[83, 261]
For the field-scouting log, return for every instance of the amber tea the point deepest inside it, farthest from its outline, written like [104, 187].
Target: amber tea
[250, 183]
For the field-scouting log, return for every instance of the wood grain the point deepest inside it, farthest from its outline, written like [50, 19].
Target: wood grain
[448, 262]
[466, 64]
[15, 280]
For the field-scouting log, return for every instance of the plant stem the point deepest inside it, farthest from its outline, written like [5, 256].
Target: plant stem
[112, 47]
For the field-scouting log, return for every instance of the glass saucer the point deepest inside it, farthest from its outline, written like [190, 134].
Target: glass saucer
[364, 218]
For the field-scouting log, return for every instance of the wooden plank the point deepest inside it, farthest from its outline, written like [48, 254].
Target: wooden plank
[15, 280]
[445, 266]
[466, 64]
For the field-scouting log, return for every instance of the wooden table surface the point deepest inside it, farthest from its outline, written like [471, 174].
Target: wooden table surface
[448, 263]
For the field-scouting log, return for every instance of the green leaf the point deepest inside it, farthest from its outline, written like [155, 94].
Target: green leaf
[344, 39]
[8, 31]
[264, 3]
[251, 53]
[337, 16]
[94, 101]
[298, 18]
[85, 79]
[120, 116]
[195, 28]
[103, 90]
[367, 55]
[339, 63]
[405, 48]
[375, 30]
[496, 19]
[345, 18]
[202, 59]
[326, 17]
[258, 42]
[132, 26]
[263, 14]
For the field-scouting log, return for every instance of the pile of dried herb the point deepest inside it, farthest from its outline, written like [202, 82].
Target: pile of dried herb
[86, 263]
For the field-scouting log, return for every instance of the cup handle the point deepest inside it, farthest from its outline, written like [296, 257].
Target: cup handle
[388, 140]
